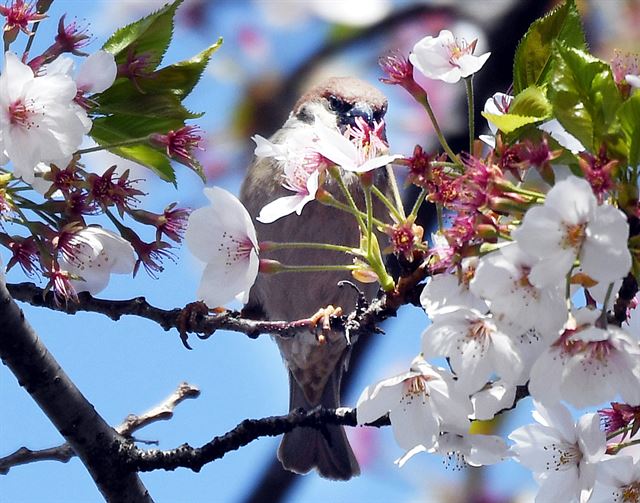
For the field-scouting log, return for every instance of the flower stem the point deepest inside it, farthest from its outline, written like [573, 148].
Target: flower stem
[416, 206]
[469, 86]
[385, 200]
[317, 268]
[369, 205]
[335, 173]
[124, 143]
[393, 183]
[328, 200]
[270, 246]
[436, 127]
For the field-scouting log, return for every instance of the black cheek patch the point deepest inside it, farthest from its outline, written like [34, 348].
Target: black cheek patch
[305, 116]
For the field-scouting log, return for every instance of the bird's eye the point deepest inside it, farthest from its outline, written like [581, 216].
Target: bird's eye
[338, 105]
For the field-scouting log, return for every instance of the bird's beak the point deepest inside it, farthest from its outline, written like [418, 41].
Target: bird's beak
[364, 111]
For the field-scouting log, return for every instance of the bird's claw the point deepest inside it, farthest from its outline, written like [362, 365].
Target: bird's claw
[189, 319]
[324, 315]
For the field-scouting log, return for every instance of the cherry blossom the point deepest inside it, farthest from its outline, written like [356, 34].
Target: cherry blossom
[445, 293]
[498, 104]
[43, 123]
[502, 278]
[223, 236]
[476, 348]
[301, 165]
[562, 454]
[365, 151]
[446, 58]
[588, 365]
[618, 481]
[93, 254]
[571, 225]
[562, 136]
[491, 399]
[418, 402]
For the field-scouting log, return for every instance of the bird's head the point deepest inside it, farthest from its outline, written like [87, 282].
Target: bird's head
[339, 101]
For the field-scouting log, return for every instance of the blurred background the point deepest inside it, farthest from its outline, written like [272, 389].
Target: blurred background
[272, 51]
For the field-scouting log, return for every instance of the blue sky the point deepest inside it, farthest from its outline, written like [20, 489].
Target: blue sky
[129, 366]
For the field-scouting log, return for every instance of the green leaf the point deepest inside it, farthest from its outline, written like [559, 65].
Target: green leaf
[585, 98]
[150, 36]
[531, 102]
[160, 94]
[508, 123]
[128, 101]
[629, 115]
[179, 78]
[116, 129]
[534, 53]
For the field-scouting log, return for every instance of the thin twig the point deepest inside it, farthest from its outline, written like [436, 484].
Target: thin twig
[131, 424]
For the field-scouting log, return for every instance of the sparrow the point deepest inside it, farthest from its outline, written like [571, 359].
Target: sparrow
[315, 364]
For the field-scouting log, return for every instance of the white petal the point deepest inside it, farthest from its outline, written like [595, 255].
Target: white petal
[97, 73]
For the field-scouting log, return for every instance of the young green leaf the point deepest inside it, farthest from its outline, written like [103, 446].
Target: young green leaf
[585, 98]
[532, 101]
[534, 52]
[629, 115]
[148, 37]
[507, 123]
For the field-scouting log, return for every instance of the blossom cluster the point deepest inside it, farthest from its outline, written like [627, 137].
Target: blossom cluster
[52, 192]
[532, 270]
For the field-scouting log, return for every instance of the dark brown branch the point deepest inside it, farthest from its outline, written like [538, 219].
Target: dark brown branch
[247, 431]
[362, 321]
[132, 423]
[95, 442]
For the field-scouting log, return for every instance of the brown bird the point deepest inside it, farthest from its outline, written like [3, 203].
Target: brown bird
[315, 364]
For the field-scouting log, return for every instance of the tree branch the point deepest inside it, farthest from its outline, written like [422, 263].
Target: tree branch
[132, 423]
[247, 431]
[196, 320]
[95, 442]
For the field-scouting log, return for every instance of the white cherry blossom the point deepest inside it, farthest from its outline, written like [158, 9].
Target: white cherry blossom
[562, 454]
[569, 226]
[588, 365]
[491, 399]
[445, 293]
[301, 166]
[502, 278]
[363, 153]
[498, 104]
[223, 236]
[562, 136]
[446, 58]
[617, 481]
[41, 121]
[418, 402]
[93, 254]
[476, 348]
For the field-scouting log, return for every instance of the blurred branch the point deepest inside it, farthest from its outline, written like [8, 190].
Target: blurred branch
[247, 431]
[37, 371]
[132, 423]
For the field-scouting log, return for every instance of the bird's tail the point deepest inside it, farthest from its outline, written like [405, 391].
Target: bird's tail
[327, 449]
